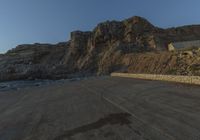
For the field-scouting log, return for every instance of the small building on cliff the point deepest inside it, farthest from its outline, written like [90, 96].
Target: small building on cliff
[185, 45]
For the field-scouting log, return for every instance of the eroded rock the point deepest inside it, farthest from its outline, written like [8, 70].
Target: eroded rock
[133, 45]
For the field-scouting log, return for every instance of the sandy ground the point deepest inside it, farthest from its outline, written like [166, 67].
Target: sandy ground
[104, 108]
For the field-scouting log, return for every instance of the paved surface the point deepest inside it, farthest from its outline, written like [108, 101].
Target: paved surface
[106, 108]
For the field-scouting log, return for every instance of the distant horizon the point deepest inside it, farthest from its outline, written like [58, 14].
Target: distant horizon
[35, 21]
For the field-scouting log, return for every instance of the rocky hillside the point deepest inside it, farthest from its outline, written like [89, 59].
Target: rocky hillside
[131, 45]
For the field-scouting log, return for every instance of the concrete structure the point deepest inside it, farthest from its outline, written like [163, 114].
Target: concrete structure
[171, 78]
[183, 45]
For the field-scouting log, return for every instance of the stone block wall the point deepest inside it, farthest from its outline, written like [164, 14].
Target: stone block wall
[171, 78]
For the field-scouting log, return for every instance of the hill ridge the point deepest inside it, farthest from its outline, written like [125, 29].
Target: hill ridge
[129, 45]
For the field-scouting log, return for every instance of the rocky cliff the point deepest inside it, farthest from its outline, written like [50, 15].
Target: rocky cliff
[131, 45]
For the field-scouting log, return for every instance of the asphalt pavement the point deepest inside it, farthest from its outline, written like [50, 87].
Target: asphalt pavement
[101, 108]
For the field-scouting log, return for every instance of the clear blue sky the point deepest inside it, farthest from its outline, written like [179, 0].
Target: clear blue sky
[51, 21]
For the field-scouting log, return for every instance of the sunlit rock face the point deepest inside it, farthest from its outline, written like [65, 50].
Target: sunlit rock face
[132, 45]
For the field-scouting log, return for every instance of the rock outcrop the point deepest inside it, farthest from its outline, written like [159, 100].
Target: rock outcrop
[132, 45]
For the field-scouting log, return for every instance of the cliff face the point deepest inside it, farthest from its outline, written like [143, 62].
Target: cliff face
[132, 45]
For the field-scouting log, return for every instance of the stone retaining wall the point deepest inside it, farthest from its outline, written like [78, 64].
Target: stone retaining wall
[171, 78]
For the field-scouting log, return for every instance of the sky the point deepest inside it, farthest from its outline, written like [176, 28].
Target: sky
[51, 21]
